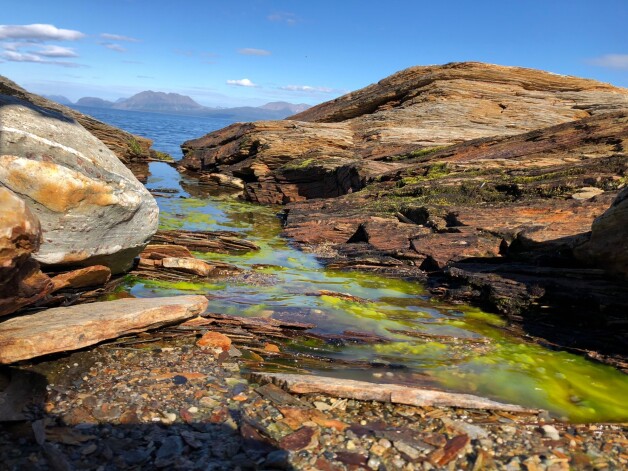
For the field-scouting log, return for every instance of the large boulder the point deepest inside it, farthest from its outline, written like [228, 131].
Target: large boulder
[337, 147]
[21, 281]
[608, 246]
[91, 208]
[128, 147]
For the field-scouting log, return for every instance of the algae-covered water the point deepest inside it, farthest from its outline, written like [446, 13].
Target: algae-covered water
[286, 284]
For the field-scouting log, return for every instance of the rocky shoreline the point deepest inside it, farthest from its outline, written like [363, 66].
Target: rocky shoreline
[498, 186]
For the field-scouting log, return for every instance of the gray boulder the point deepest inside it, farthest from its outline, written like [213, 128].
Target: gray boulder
[91, 208]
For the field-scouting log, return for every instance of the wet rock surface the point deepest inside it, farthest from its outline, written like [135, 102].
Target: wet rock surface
[174, 405]
[495, 221]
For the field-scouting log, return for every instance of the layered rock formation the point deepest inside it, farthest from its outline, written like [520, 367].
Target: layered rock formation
[496, 221]
[336, 147]
[21, 281]
[128, 147]
[91, 208]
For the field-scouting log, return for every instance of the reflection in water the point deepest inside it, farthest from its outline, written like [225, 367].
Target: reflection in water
[488, 361]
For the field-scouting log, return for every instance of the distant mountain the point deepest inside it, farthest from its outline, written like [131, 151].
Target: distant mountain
[62, 100]
[159, 102]
[174, 103]
[94, 102]
[284, 105]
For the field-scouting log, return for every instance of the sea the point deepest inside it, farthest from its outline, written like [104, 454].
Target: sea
[167, 131]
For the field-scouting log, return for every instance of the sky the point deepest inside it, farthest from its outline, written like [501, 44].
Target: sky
[249, 52]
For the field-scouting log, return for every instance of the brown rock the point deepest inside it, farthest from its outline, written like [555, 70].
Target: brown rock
[21, 281]
[331, 149]
[188, 265]
[159, 251]
[451, 450]
[96, 275]
[214, 340]
[70, 328]
[302, 439]
[607, 247]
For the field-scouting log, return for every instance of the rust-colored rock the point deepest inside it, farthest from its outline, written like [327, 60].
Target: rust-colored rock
[302, 439]
[161, 251]
[21, 281]
[338, 146]
[96, 275]
[214, 341]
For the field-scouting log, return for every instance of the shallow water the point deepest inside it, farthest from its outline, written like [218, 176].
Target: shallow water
[499, 365]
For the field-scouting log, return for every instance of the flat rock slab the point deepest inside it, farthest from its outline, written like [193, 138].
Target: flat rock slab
[397, 394]
[74, 327]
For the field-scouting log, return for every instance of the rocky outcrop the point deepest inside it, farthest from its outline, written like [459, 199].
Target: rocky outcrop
[128, 147]
[337, 147]
[608, 245]
[91, 208]
[21, 281]
[496, 221]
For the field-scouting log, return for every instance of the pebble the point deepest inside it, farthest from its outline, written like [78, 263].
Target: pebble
[550, 432]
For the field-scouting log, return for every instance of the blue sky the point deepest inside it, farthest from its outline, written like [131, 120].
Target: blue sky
[231, 53]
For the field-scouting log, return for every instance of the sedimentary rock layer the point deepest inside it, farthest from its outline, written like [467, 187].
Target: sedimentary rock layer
[337, 147]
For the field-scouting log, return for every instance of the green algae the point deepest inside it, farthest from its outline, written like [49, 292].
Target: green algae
[504, 367]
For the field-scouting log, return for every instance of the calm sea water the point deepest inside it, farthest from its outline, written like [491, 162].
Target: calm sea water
[167, 131]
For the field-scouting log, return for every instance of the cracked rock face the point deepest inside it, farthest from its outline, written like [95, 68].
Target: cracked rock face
[91, 208]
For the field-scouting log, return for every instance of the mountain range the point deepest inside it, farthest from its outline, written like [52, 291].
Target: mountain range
[174, 103]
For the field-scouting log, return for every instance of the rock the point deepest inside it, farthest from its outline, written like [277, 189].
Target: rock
[214, 340]
[91, 208]
[160, 251]
[74, 327]
[21, 281]
[337, 147]
[492, 222]
[96, 275]
[188, 265]
[128, 147]
[550, 432]
[304, 438]
[587, 192]
[607, 247]
[365, 391]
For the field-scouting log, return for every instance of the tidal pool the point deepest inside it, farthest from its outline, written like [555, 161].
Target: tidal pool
[488, 361]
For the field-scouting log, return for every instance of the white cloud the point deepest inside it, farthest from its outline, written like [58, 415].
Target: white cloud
[283, 17]
[56, 51]
[14, 56]
[250, 51]
[241, 83]
[612, 61]
[118, 37]
[306, 88]
[39, 32]
[113, 47]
